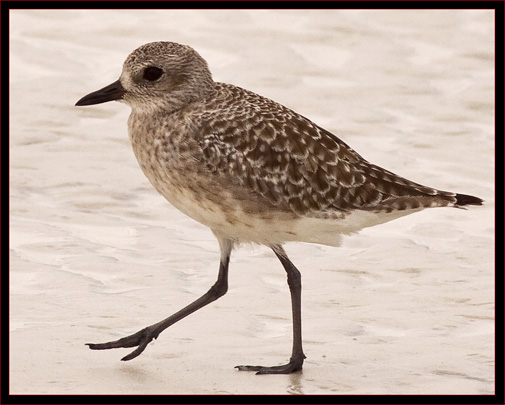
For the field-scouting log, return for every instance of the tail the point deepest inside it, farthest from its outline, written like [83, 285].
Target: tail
[463, 199]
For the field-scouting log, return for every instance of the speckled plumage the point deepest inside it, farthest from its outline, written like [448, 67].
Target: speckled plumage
[250, 169]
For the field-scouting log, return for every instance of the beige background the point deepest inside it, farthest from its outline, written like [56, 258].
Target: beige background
[97, 254]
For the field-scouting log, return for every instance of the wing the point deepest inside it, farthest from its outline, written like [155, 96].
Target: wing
[294, 164]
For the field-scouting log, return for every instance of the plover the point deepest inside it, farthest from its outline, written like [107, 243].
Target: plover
[251, 170]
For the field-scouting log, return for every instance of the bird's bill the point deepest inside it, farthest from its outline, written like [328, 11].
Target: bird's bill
[114, 91]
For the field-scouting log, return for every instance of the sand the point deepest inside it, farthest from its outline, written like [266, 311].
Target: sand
[96, 254]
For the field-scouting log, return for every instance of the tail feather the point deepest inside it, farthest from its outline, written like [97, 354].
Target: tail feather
[463, 199]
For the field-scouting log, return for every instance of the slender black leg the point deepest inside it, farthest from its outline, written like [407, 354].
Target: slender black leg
[295, 288]
[143, 337]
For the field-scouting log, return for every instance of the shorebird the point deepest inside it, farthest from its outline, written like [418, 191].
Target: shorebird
[251, 170]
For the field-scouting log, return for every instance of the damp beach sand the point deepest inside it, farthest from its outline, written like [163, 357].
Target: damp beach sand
[402, 308]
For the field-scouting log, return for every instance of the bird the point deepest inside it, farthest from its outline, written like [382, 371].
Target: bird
[250, 169]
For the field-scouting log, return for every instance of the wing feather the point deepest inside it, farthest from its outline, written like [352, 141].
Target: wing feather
[294, 164]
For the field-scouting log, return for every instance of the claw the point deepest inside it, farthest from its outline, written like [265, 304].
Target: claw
[289, 368]
[140, 339]
[137, 351]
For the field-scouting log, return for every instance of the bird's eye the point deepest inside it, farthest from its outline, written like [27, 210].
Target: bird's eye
[152, 73]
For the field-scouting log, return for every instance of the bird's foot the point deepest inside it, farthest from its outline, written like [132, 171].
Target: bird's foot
[140, 339]
[291, 367]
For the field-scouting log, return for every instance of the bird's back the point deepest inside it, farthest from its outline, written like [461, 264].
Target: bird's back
[295, 164]
[257, 171]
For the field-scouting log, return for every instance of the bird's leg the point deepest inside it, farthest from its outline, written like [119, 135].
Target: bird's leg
[143, 337]
[295, 288]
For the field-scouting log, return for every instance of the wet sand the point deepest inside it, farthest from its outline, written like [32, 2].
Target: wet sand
[96, 254]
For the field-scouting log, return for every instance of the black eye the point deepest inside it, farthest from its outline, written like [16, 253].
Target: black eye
[152, 73]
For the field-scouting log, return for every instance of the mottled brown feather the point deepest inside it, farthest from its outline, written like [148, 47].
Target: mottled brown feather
[294, 164]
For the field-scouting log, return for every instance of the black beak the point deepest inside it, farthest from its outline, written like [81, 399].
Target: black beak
[114, 91]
